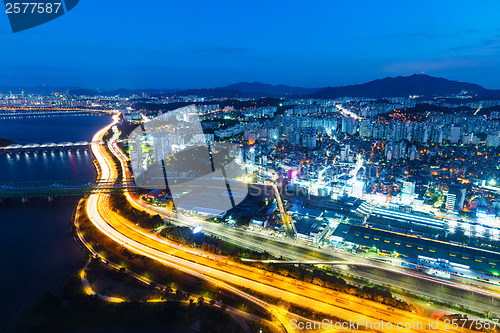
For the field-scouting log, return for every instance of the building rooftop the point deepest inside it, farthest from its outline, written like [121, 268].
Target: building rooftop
[305, 211]
[479, 259]
[311, 226]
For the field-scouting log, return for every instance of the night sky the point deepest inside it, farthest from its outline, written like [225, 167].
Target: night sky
[194, 44]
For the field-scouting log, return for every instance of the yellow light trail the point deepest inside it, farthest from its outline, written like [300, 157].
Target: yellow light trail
[231, 274]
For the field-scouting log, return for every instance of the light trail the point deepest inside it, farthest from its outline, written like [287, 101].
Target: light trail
[108, 173]
[347, 112]
[230, 274]
[278, 248]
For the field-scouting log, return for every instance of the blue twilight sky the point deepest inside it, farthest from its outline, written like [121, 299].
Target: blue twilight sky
[194, 44]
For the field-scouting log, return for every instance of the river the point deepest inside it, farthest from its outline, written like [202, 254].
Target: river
[37, 250]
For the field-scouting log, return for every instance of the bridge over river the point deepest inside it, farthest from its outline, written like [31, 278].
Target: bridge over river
[43, 112]
[63, 188]
[84, 187]
[48, 145]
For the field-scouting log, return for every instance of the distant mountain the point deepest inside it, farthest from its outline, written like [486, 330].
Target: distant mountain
[130, 92]
[403, 86]
[5, 142]
[247, 90]
[118, 92]
[84, 92]
[400, 86]
[44, 90]
[78, 91]
[280, 90]
[210, 92]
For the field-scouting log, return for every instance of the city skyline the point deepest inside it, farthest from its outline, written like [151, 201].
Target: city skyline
[412, 83]
[265, 166]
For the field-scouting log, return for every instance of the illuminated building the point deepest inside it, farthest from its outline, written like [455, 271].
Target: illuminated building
[456, 197]
[407, 193]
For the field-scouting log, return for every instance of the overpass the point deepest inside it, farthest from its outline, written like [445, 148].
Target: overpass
[75, 187]
[312, 262]
[30, 112]
[63, 188]
[38, 146]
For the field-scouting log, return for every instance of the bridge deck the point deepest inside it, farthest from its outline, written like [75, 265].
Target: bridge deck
[63, 188]
[48, 145]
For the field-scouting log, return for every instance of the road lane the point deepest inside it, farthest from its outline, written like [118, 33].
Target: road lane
[202, 265]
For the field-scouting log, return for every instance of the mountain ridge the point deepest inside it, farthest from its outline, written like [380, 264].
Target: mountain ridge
[404, 86]
[399, 86]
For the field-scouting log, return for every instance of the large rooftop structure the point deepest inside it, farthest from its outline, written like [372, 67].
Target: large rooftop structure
[368, 209]
[310, 229]
[412, 246]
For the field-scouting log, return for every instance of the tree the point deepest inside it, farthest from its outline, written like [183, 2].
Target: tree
[157, 220]
[179, 294]
[168, 291]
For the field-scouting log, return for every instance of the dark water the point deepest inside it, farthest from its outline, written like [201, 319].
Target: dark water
[51, 129]
[37, 251]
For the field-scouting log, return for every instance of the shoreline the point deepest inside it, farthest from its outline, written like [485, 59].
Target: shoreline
[43, 225]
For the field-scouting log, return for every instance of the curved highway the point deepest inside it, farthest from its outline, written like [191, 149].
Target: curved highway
[230, 275]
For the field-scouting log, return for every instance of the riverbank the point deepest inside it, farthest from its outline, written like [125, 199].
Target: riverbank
[35, 235]
[5, 142]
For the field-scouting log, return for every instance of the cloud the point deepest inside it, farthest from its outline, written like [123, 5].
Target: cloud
[429, 66]
[32, 68]
[414, 36]
[220, 50]
[491, 44]
[417, 36]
